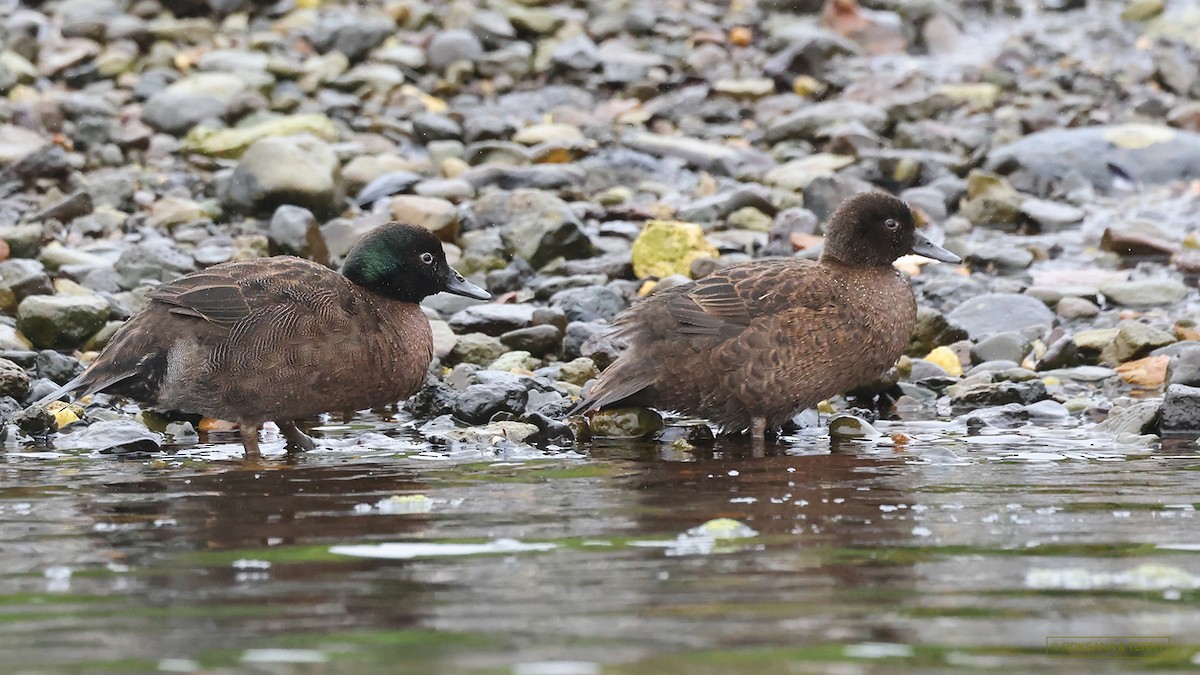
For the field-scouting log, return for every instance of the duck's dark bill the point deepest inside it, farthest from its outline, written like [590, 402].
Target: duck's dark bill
[458, 285]
[922, 246]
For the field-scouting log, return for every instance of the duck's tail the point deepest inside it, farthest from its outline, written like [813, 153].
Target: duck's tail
[622, 380]
[84, 379]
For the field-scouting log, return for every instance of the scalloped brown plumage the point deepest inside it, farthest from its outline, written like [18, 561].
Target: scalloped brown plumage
[283, 338]
[752, 344]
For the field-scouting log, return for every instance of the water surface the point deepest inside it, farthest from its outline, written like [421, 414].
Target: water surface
[943, 552]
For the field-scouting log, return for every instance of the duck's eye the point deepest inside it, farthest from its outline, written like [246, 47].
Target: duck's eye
[891, 223]
[427, 258]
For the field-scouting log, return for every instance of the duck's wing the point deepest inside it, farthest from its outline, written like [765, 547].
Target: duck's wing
[719, 307]
[725, 303]
[207, 307]
[225, 295]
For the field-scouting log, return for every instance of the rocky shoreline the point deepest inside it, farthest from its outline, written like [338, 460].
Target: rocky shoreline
[576, 156]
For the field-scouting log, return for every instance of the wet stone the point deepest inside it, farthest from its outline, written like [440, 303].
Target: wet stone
[112, 437]
[998, 393]
[625, 423]
[691, 433]
[1060, 353]
[479, 402]
[551, 432]
[1181, 410]
[852, 427]
[35, 421]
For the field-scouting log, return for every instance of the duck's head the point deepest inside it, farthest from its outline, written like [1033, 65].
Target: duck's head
[872, 229]
[405, 262]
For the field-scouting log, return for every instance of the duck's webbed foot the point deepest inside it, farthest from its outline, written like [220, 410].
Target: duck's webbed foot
[295, 437]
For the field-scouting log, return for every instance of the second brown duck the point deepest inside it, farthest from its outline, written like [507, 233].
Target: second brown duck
[752, 344]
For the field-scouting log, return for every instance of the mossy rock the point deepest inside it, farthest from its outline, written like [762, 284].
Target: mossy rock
[667, 247]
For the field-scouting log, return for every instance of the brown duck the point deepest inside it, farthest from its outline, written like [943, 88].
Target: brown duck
[283, 338]
[751, 345]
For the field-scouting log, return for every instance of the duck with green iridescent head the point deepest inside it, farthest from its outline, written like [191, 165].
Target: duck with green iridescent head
[283, 338]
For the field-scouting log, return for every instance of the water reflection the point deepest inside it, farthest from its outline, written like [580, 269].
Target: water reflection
[145, 559]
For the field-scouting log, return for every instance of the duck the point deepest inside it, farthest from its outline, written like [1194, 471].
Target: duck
[752, 344]
[282, 338]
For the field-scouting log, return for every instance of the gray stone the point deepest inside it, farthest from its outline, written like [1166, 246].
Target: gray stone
[1071, 307]
[625, 423]
[1001, 346]
[25, 278]
[1139, 418]
[14, 381]
[1181, 410]
[56, 366]
[1000, 258]
[429, 127]
[1145, 292]
[61, 321]
[300, 170]
[112, 437]
[1184, 367]
[475, 348]
[577, 53]
[1154, 154]
[1051, 215]
[537, 340]
[492, 318]
[294, 230]
[434, 398]
[932, 330]
[997, 393]
[533, 224]
[350, 32]
[589, 303]
[987, 315]
[479, 402]
[191, 100]
[811, 121]
[155, 260]
[450, 46]
[1134, 340]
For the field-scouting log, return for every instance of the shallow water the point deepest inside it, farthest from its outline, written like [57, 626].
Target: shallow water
[942, 552]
